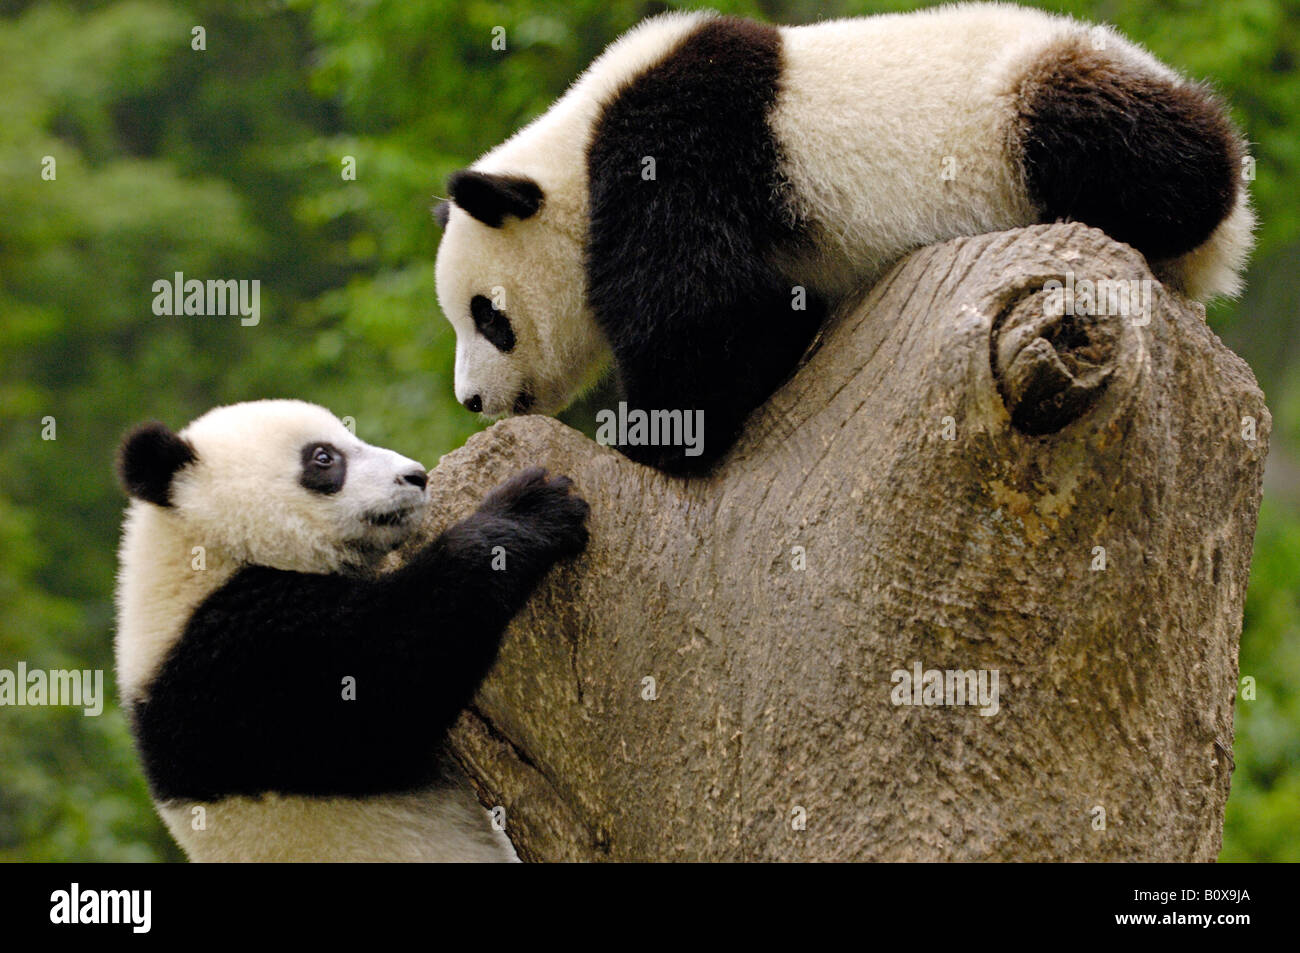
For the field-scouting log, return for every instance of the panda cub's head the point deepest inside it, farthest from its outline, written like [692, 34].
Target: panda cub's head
[511, 282]
[277, 483]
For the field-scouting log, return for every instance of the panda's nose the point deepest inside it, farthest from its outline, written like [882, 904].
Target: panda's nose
[474, 404]
[416, 478]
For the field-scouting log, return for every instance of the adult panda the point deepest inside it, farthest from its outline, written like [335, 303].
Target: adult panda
[707, 176]
[288, 701]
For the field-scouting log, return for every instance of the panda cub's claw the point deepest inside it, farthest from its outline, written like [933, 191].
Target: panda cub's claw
[552, 515]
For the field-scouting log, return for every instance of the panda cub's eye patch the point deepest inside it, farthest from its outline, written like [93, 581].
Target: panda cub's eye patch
[324, 468]
[492, 323]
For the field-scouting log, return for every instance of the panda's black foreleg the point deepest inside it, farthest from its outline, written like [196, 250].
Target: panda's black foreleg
[460, 591]
[489, 562]
[722, 358]
[689, 210]
[450, 603]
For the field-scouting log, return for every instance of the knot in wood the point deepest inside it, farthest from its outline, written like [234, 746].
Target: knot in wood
[1051, 367]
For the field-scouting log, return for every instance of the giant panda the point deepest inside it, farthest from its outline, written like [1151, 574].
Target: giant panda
[289, 701]
[710, 186]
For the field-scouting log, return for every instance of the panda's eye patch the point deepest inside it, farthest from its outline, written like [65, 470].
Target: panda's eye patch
[492, 323]
[324, 468]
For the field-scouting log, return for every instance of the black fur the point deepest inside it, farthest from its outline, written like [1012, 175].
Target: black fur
[492, 323]
[1150, 162]
[490, 198]
[148, 459]
[250, 699]
[679, 273]
[324, 468]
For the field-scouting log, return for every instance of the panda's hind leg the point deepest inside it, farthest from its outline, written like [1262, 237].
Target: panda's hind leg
[1215, 268]
[1106, 139]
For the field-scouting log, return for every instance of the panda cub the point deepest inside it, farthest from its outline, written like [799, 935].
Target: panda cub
[289, 701]
[710, 187]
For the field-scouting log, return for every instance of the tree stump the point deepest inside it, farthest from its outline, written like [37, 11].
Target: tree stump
[956, 478]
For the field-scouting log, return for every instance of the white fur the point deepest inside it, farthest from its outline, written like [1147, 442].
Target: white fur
[868, 110]
[241, 504]
[438, 825]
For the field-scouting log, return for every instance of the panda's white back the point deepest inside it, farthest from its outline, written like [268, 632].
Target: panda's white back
[855, 95]
[901, 153]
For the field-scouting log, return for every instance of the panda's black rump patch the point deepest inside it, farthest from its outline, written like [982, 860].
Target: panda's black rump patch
[1152, 161]
[148, 459]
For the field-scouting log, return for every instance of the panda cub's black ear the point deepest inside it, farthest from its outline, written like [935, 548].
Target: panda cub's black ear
[490, 197]
[149, 458]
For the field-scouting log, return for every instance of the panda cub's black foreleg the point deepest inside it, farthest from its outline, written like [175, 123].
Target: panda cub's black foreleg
[489, 563]
[480, 572]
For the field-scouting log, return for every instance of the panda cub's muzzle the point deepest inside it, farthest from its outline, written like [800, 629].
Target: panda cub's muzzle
[411, 500]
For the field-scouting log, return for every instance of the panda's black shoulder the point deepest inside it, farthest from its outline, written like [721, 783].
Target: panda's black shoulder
[248, 700]
[227, 635]
[270, 591]
[685, 174]
[230, 628]
[701, 108]
[246, 591]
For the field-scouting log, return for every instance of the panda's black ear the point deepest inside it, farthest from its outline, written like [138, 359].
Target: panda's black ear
[490, 197]
[148, 459]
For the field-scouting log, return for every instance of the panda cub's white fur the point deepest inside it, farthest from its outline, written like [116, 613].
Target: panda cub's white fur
[658, 214]
[249, 595]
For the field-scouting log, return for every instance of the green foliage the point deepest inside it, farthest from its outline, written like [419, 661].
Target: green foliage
[227, 162]
[1264, 810]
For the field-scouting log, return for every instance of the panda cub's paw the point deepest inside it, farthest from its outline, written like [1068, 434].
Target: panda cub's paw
[553, 516]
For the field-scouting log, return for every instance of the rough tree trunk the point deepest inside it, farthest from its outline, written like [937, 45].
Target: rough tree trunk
[773, 710]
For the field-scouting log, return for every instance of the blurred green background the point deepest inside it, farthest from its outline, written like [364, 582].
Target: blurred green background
[227, 163]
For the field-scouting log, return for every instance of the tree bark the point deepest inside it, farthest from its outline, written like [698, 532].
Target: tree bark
[953, 460]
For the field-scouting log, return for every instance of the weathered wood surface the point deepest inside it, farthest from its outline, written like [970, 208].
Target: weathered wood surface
[774, 683]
